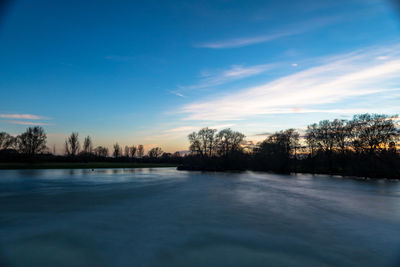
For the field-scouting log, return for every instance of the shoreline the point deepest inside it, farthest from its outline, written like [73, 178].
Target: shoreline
[179, 167]
[332, 174]
[82, 165]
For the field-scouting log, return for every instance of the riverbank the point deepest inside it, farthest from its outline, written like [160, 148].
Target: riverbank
[288, 172]
[81, 165]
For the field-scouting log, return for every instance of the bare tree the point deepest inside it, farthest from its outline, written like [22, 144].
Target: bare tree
[3, 139]
[140, 151]
[155, 152]
[373, 132]
[195, 144]
[72, 145]
[341, 134]
[87, 145]
[7, 141]
[117, 151]
[325, 135]
[311, 138]
[126, 151]
[209, 140]
[101, 151]
[321, 135]
[32, 141]
[283, 142]
[166, 156]
[229, 141]
[203, 142]
[293, 138]
[132, 151]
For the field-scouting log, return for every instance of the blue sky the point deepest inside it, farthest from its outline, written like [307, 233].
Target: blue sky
[150, 72]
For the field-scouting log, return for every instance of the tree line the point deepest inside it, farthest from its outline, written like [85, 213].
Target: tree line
[32, 145]
[363, 146]
[73, 148]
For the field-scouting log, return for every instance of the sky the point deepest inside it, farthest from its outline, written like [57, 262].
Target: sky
[151, 72]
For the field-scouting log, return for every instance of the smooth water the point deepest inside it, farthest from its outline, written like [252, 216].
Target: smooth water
[164, 217]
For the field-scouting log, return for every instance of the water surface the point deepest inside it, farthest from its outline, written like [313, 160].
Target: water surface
[164, 217]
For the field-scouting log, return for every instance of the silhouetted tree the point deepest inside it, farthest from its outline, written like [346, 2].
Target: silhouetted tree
[155, 152]
[311, 138]
[117, 151]
[3, 140]
[140, 151]
[341, 134]
[88, 145]
[126, 151]
[276, 151]
[166, 156]
[373, 132]
[203, 142]
[287, 141]
[101, 151]
[7, 141]
[363, 146]
[132, 151]
[32, 141]
[229, 142]
[195, 144]
[216, 151]
[293, 138]
[72, 145]
[325, 136]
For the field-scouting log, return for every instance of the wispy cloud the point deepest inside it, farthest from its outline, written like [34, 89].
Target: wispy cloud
[176, 93]
[277, 34]
[239, 42]
[234, 73]
[360, 73]
[27, 123]
[22, 116]
[181, 129]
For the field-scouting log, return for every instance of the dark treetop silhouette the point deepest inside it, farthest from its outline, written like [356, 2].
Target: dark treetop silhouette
[30, 147]
[364, 146]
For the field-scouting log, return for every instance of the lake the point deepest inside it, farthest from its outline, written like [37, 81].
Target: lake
[165, 217]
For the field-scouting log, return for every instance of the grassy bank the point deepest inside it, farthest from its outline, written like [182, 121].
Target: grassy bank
[83, 165]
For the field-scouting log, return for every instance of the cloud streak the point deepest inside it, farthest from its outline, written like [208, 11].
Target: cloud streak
[245, 41]
[22, 116]
[176, 93]
[181, 129]
[341, 77]
[28, 123]
[240, 42]
[234, 73]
